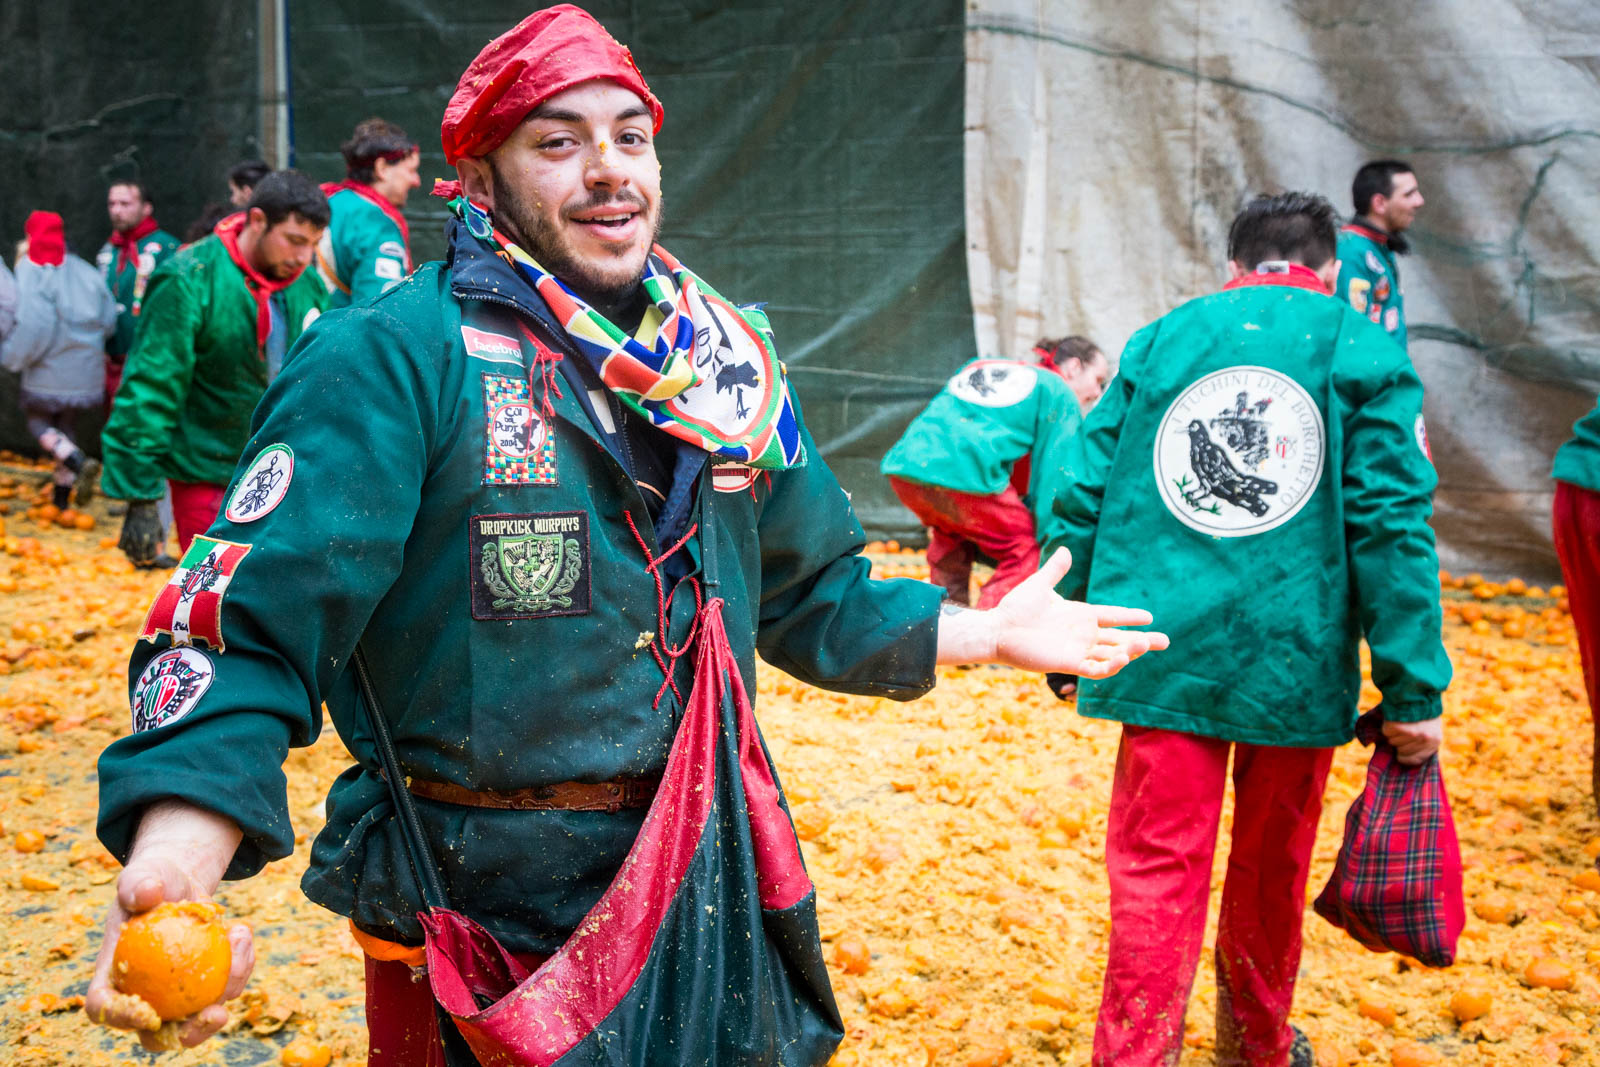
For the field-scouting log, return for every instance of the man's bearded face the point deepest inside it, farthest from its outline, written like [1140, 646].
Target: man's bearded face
[579, 187]
[126, 207]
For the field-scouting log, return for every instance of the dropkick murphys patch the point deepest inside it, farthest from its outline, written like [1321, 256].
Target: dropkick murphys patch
[169, 687]
[519, 445]
[529, 566]
[1239, 452]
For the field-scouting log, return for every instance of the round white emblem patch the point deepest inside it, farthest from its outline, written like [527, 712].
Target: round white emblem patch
[1373, 262]
[1239, 452]
[518, 430]
[263, 486]
[170, 686]
[1421, 430]
[994, 383]
[1391, 320]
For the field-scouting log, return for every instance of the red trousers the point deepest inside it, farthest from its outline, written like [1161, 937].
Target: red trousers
[1577, 537]
[1166, 803]
[194, 508]
[960, 524]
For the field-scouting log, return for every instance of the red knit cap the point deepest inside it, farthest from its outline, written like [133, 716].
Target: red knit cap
[47, 239]
[548, 52]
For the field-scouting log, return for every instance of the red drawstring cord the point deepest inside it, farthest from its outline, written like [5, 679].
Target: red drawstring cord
[544, 365]
[666, 656]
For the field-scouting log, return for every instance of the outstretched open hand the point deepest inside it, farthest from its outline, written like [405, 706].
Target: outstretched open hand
[1035, 629]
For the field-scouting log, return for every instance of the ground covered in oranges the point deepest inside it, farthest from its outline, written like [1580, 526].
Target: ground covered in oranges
[955, 841]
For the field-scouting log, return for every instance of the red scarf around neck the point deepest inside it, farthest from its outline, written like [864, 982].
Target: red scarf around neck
[372, 196]
[261, 287]
[126, 242]
[1297, 276]
[1376, 236]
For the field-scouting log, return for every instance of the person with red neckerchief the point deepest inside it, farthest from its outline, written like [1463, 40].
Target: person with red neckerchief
[218, 321]
[136, 247]
[1386, 198]
[366, 250]
[1257, 474]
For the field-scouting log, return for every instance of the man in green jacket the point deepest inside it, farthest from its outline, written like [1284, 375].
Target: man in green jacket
[1257, 473]
[218, 320]
[503, 484]
[980, 465]
[1387, 199]
[367, 248]
[136, 247]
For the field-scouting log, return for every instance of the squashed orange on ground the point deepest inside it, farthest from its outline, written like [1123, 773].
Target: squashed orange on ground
[956, 842]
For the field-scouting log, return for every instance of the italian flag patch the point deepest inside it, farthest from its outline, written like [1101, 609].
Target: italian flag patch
[189, 606]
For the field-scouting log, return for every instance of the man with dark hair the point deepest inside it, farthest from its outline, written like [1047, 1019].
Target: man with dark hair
[979, 465]
[218, 320]
[367, 248]
[507, 484]
[1256, 470]
[242, 179]
[1387, 198]
[136, 247]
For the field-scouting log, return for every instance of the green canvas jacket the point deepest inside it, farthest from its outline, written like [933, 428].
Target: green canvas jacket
[397, 492]
[990, 415]
[362, 253]
[129, 284]
[1256, 477]
[195, 373]
[1369, 278]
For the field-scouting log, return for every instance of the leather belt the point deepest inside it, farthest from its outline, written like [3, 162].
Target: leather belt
[609, 796]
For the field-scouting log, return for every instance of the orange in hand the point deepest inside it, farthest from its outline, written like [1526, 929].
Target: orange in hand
[175, 957]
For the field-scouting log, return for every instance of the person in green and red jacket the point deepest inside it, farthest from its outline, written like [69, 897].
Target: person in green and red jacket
[978, 465]
[1576, 524]
[367, 248]
[1257, 473]
[503, 484]
[218, 320]
[136, 247]
[1387, 198]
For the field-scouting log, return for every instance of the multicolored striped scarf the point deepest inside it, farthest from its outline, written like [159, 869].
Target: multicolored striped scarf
[697, 367]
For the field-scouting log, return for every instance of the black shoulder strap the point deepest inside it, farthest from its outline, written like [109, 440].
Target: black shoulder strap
[423, 868]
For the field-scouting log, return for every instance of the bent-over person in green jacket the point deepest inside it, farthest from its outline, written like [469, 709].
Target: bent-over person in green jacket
[502, 483]
[218, 321]
[1257, 473]
[980, 465]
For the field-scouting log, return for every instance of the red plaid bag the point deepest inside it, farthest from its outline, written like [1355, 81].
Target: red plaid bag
[1397, 883]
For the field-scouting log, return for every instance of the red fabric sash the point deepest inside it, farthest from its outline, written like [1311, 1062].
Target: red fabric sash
[1368, 232]
[261, 287]
[372, 196]
[126, 243]
[1298, 277]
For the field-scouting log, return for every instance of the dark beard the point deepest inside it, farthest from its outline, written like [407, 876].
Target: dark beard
[529, 229]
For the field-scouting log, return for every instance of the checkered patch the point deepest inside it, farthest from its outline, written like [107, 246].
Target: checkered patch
[519, 445]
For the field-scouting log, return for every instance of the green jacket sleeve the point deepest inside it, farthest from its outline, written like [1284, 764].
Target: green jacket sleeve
[155, 385]
[374, 256]
[318, 564]
[822, 617]
[1074, 516]
[1057, 423]
[1388, 487]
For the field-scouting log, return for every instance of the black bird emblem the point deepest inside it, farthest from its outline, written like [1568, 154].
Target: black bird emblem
[1217, 477]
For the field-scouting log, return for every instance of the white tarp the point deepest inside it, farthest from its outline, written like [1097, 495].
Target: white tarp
[1109, 145]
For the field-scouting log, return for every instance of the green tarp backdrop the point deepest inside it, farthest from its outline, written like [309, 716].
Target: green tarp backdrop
[811, 157]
